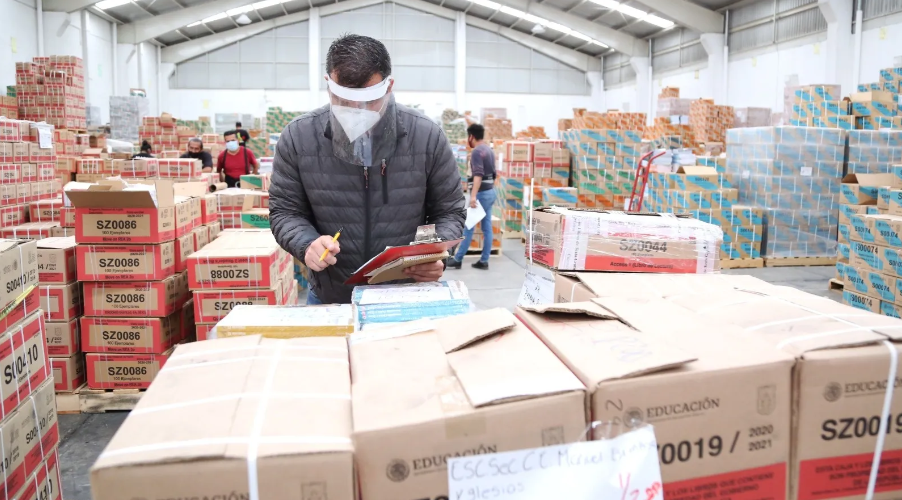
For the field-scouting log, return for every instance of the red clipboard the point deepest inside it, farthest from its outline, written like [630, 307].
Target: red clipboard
[395, 253]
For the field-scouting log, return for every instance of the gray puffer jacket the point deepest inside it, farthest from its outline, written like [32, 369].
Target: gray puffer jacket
[313, 193]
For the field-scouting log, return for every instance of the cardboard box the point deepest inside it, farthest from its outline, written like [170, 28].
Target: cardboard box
[204, 331]
[18, 268]
[519, 151]
[126, 262]
[123, 371]
[246, 261]
[862, 189]
[12, 215]
[472, 396]
[61, 302]
[30, 434]
[255, 218]
[213, 305]
[861, 301]
[598, 240]
[67, 217]
[155, 299]
[707, 388]
[62, 338]
[23, 355]
[201, 237]
[56, 261]
[255, 182]
[184, 247]
[44, 483]
[131, 335]
[886, 229]
[45, 210]
[186, 321]
[287, 321]
[29, 230]
[318, 470]
[108, 213]
[68, 373]
[209, 209]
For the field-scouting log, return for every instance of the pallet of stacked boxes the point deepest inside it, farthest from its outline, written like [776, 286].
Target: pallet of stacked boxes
[52, 90]
[818, 106]
[28, 415]
[875, 110]
[239, 267]
[793, 174]
[133, 243]
[707, 195]
[62, 303]
[604, 165]
[27, 171]
[861, 194]
[233, 202]
[874, 151]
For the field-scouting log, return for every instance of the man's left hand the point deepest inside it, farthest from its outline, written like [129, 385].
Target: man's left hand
[472, 202]
[426, 272]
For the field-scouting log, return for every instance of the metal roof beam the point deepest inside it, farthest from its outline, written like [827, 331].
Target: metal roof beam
[67, 5]
[145, 29]
[688, 14]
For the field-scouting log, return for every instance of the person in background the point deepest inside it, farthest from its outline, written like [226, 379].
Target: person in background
[243, 135]
[196, 152]
[364, 163]
[235, 161]
[146, 151]
[482, 190]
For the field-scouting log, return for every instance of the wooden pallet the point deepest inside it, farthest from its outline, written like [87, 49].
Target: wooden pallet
[741, 263]
[102, 401]
[69, 402]
[799, 261]
[835, 284]
[512, 235]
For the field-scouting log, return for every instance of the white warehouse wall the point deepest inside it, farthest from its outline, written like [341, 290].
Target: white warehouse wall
[18, 37]
[881, 43]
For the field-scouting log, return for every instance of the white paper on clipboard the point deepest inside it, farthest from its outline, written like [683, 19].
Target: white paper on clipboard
[474, 215]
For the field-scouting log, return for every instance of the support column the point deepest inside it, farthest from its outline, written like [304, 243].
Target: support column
[140, 55]
[315, 66]
[642, 67]
[159, 80]
[84, 54]
[460, 62]
[596, 84]
[115, 69]
[713, 45]
[840, 44]
[39, 9]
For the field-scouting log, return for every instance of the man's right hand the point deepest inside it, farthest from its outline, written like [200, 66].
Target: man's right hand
[316, 249]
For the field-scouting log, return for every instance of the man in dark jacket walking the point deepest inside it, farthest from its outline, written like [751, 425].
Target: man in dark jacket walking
[367, 164]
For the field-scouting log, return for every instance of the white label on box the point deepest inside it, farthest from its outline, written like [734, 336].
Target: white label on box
[746, 174]
[806, 171]
[538, 287]
[395, 295]
[45, 137]
[623, 467]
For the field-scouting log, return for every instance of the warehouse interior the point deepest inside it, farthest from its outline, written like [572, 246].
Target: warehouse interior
[691, 263]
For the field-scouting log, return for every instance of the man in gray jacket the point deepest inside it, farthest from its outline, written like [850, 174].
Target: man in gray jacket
[366, 164]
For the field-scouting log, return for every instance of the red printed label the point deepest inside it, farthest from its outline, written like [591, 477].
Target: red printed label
[761, 483]
[847, 476]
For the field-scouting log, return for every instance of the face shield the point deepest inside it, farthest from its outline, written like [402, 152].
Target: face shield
[360, 135]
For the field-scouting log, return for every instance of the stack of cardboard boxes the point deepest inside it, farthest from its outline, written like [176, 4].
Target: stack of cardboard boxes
[29, 426]
[820, 106]
[793, 174]
[707, 195]
[233, 203]
[498, 129]
[604, 165]
[543, 164]
[875, 110]
[9, 107]
[752, 117]
[27, 171]
[52, 90]
[243, 266]
[710, 121]
[133, 245]
[874, 151]
[61, 301]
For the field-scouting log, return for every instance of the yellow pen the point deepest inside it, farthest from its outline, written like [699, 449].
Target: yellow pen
[334, 239]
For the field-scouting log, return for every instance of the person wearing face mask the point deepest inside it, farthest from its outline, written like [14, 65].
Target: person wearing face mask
[196, 152]
[367, 164]
[235, 161]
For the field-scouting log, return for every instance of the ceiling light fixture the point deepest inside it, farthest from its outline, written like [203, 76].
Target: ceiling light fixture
[634, 12]
[243, 20]
[217, 17]
[109, 4]
[539, 23]
[238, 11]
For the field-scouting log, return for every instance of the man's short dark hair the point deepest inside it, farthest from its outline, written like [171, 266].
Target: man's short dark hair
[477, 131]
[197, 140]
[229, 132]
[356, 58]
[237, 124]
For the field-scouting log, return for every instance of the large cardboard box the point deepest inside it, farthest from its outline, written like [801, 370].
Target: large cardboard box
[126, 262]
[131, 335]
[23, 357]
[471, 397]
[245, 260]
[153, 299]
[29, 435]
[168, 454]
[62, 338]
[599, 240]
[68, 373]
[44, 483]
[211, 306]
[56, 260]
[719, 401]
[288, 321]
[862, 189]
[61, 302]
[109, 212]
[185, 245]
[123, 371]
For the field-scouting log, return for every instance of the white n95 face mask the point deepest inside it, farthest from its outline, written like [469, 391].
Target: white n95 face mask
[354, 121]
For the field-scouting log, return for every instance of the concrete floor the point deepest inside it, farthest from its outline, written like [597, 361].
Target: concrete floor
[84, 436]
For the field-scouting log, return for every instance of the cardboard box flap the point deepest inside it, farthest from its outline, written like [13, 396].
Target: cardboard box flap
[206, 403]
[475, 327]
[59, 242]
[6, 244]
[602, 346]
[696, 170]
[114, 193]
[588, 308]
[650, 285]
[869, 179]
[191, 189]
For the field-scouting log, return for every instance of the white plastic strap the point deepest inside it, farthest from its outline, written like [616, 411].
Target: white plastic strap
[175, 445]
[241, 395]
[884, 417]
[252, 358]
[257, 430]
